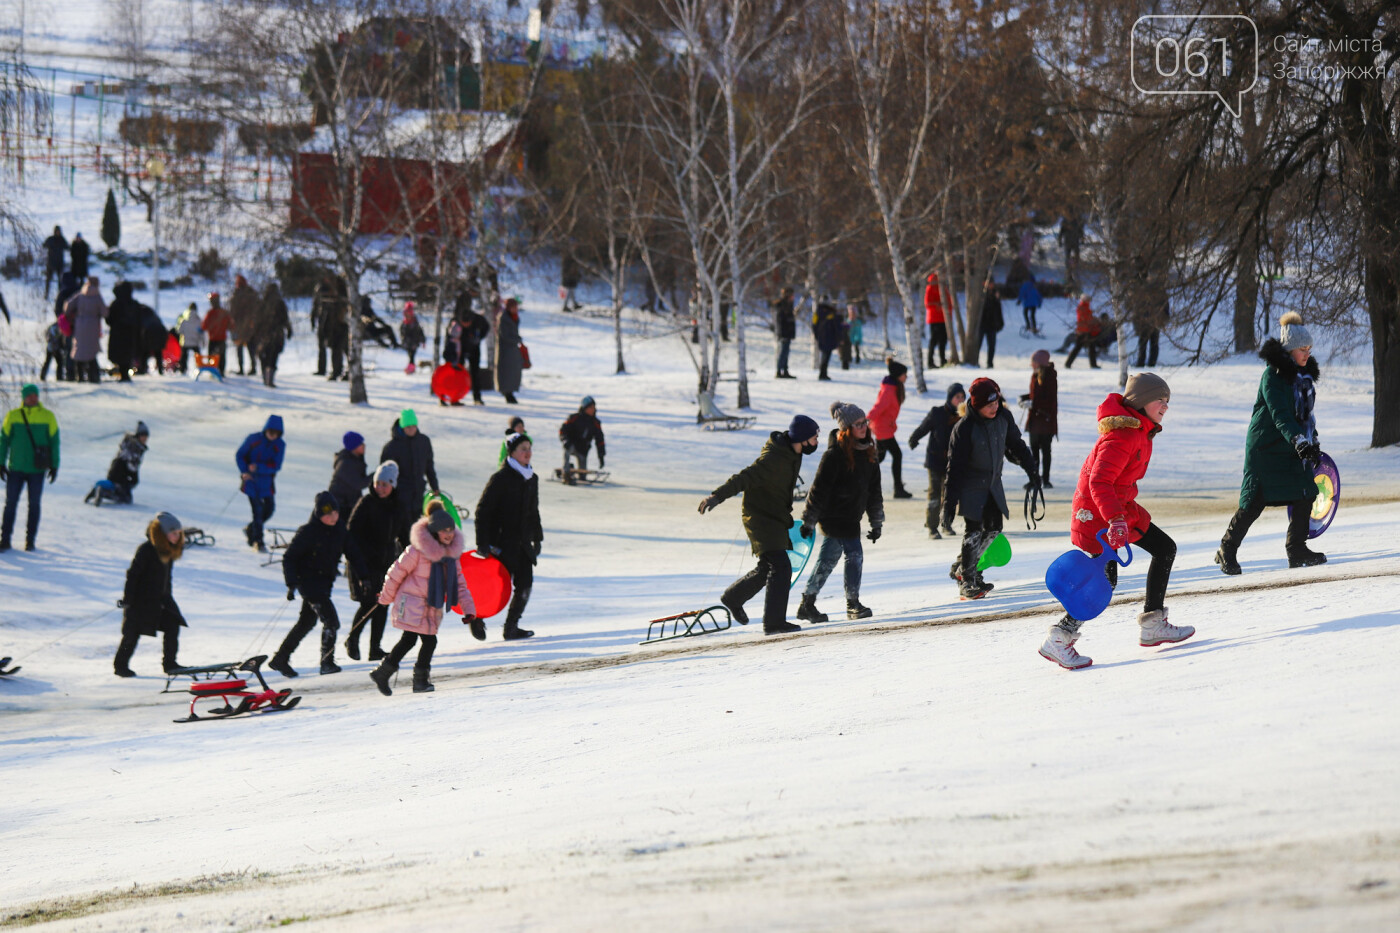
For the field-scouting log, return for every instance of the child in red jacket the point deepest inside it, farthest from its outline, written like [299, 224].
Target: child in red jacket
[1106, 500]
[883, 422]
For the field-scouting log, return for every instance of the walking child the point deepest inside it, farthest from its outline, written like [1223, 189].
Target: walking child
[148, 603]
[377, 528]
[938, 426]
[1042, 421]
[883, 422]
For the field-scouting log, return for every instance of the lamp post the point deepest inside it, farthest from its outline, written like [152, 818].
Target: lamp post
[155, 168]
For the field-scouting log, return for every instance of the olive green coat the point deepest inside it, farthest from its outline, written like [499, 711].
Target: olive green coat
[1272, 471]
[767, 485]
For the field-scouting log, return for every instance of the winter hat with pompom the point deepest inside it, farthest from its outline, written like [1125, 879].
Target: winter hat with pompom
[514, 441]
[895, 367]
[438, 519]
[846, 414]
[1292, 334]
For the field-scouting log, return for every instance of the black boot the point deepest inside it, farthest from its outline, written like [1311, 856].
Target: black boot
[1225, 557]
[328, 665]
[807, 610]
[513, 631]
[1305, 557]
[381, 675]
[901, 493]
[282, 665]
[420, 681]
[854, 610]
[780, 628]
[352, 646]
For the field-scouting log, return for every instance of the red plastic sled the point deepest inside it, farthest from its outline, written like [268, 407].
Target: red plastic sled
[489, 582]
[171, 355]
[451, 382]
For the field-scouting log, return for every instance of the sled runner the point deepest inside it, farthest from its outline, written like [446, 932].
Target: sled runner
[695, 622]
[1329, 496]
[198, 537]
[712, 418]
[281, 537]
[7, 671]
[234, 691]
[576, 476]
[488, 581]
[1079, 583]
[799, 549]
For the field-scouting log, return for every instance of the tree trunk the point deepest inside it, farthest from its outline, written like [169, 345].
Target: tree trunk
[1247, 290]
[1383, 306]
[355, 361]
[951, 313]
[974, 271]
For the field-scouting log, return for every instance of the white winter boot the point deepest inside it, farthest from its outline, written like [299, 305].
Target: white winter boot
[1059, 647]
[1156, 630]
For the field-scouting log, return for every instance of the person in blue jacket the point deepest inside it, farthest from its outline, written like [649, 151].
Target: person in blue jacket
[1030, 301]
[259, 458]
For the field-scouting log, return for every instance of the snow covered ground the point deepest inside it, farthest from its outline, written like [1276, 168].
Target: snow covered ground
[922, 770]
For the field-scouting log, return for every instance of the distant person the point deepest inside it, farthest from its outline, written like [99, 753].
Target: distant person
[992, 320]
[123, 330]
[28, 450]
[56, 253]
[827, 329]
[934, 314]
[86, 311]
[216, 324]
[411, 335]
[79, 251]
[884, 415]
[272, 328]
[189, 328]
[243, 313]
[579, 432]
[938, 427]
[1030, 300]
[785, 329]
[1087, 329]
[349, 477]
[1042, 420]
[509, 362]
[259, 458]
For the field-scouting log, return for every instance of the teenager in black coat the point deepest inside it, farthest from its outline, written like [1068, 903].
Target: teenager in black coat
[349, 478]
[148, 605]
[938, 426]
[845, 490]
[508, 526]
[376, 526]
[411, 449]
[310, 566]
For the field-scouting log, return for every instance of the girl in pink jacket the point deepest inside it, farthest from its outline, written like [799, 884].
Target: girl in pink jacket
[422, 585]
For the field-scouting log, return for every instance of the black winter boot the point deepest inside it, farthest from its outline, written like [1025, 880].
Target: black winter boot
[282, 665]
[328, 665]
[420, 681]
[513, 632]
[1225, 557]
[1305, 557]
[780, 628]
[807, 610]
[854, 610]
[382, 674]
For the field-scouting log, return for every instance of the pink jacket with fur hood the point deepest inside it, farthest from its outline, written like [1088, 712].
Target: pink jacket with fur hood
[406, 584]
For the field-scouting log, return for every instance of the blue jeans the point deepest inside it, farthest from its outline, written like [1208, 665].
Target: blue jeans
[830, 553]
[784, 348]
[263, 507]
[13, 486]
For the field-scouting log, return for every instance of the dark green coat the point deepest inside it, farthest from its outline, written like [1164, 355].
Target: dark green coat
[767, 485]
[1272, 470]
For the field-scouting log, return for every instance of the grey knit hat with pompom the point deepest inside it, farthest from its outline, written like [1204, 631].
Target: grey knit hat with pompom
[1292, 334]
[846, 414]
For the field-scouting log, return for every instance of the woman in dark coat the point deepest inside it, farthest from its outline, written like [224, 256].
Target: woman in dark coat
[509, 363]
[1281, 448]
[992, 319]
[123, 330]
[1042, 422]
[508, 526]
[148, 605]
[984, 437]
[845, 489]
[378, 529]
[272, 328]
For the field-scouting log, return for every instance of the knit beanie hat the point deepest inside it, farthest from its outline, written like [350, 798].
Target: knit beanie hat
[388, 472]
[512, 429]
[142, 429]
[895, 367]
[801, 429]
[438, 519]
[1292, 333]
[585, 402]
[408, 418]
[1145, 388]
[352, 440]
[28, 389]
[1040, 357]
[955, 389]
[983, 391]
[325, 503]
[514, 441]
[167, 522]
[846, 414]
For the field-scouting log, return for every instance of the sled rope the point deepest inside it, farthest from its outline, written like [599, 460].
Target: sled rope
[260, 638]
[66, 633]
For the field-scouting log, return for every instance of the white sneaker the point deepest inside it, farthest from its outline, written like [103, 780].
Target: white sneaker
[1059, 647]
[1156, 630]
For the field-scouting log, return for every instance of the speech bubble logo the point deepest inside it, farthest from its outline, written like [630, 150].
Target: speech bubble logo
[1170, 54]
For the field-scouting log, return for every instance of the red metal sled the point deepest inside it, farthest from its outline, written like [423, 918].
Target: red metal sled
[237, 697]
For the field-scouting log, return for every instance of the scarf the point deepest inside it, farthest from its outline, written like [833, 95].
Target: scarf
[1304, 397]
[515, 465]
[442, 584]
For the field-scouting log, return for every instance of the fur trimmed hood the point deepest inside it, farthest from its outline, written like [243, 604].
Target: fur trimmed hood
[167, 552]
[1116, 414]
[1281, 361]
[427, 543]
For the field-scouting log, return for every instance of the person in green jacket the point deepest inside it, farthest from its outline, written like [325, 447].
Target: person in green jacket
[767, 485]
[28, 450]
[1281, 449]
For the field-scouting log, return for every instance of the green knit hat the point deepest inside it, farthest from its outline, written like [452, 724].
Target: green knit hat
[28, 389]
[408, 418]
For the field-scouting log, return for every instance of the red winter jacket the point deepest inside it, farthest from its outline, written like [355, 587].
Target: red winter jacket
[885, 410]
[1084, 320]
[933, 302]
[1108, 480]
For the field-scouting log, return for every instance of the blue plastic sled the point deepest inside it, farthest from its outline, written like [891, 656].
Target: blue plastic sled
[800, 549]
[1078, 581]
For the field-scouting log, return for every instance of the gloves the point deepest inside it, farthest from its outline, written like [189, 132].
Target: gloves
[807, 530]
[291, 593]
[913, 442]
[873, 534]
[708, 504]
[1034, 479]
[1308, 451]
[1117, 532]
[53, 475]
[478, 627]
[121, 604]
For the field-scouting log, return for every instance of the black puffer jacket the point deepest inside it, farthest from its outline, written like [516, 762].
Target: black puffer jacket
[975, 454]
[378, 531]
[842, 493]
[414, 455]
[580, 430]
[508, 518]
[348, 480]
[938, 426]
[148, 604]
[767, 485]
[312, 561]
